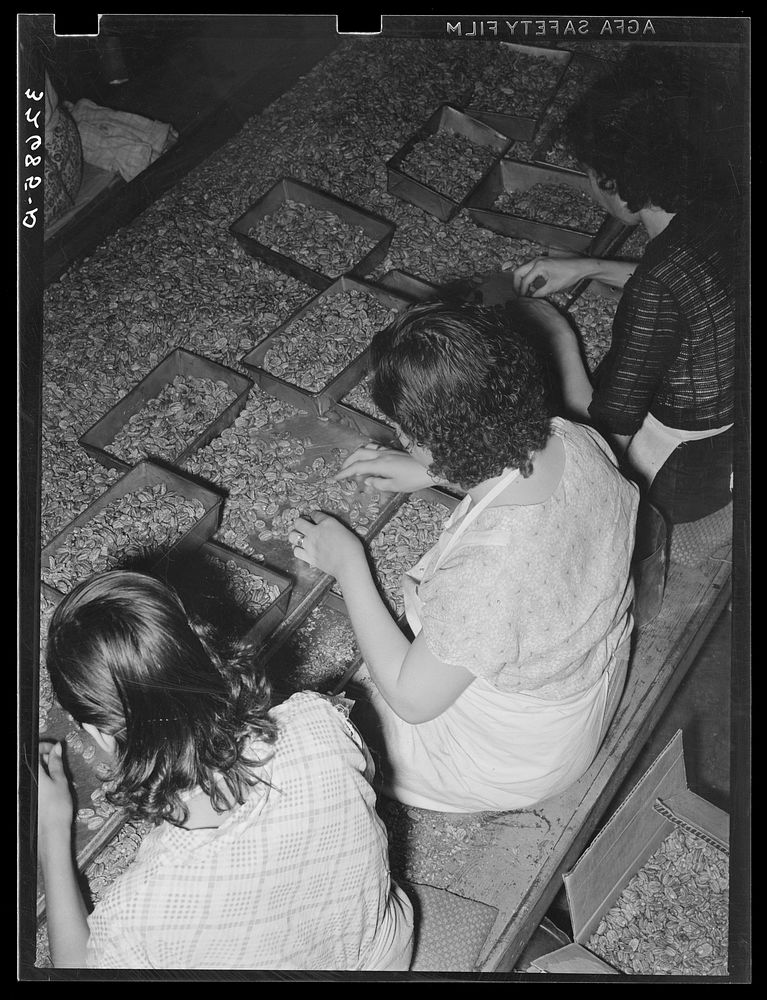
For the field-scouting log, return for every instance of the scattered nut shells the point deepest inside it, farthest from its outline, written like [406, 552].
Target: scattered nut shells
[314, 237]
[448, 163]
[558, 204]
[169, 422]
[672, 917]
[516, 83]
[319, 345]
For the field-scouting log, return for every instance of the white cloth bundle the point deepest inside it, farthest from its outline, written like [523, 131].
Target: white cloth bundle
[120, 141]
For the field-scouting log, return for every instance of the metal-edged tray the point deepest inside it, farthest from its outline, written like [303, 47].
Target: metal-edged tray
[516, 175]
[365, 424]
[289, 189]
[96, 439]
[417, 290]
[431, 494]
[190, 573]
[409, 285]
[318, 402]
[142, 475]
[447, 118]
[523, 127]
[588, 64]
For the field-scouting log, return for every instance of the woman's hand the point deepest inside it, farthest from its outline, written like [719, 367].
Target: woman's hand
[55, 808]
[547, 275]
[328, 545]
[386, 469]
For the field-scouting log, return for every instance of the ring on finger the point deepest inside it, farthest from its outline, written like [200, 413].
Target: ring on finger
[299, 542]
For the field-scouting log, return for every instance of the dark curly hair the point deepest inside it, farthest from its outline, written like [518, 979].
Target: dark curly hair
[460, 381]
[124, 656]
[634, 142]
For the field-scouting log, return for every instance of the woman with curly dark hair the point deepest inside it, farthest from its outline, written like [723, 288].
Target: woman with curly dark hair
[664, 393]
[521, 612]
[266, 853]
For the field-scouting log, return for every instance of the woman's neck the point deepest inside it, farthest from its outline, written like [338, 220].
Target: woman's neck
[548, 466]
[655, 220]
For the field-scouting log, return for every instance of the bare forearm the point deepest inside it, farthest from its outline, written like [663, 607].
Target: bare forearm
[577, 390]
[65, 909]
[382, 644]
[614, 273]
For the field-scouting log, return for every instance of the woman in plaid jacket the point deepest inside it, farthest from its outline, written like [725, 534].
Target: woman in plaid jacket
[267, 851]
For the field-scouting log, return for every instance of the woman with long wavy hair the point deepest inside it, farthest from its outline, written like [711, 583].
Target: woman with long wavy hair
[266, 850]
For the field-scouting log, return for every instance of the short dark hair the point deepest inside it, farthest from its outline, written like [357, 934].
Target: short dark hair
[461, 381]
[124, 656]
[635, 144]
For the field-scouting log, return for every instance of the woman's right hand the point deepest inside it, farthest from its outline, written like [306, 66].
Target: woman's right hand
[385, 469]
[547, 275]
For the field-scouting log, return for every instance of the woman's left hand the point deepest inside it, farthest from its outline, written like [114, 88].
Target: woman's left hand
[327, 544]
[54, 796]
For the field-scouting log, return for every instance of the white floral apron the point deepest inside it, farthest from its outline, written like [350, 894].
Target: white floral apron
[491, 749]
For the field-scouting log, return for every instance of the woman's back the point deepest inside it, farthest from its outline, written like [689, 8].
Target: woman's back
[296, 878]
[535, 598]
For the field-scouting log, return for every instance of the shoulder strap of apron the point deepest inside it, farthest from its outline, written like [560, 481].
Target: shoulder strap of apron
[506, 479]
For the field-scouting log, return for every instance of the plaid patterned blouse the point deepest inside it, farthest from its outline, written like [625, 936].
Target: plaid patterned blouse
[296, 878]
[673, 336]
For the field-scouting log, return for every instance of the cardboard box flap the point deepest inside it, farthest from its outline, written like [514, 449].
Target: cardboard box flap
[618, 851]
[698, 816]
[573, 959]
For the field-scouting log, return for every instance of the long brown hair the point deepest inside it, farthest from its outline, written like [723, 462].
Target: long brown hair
[124, 656]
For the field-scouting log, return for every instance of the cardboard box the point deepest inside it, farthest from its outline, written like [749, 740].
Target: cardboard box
[659, 802]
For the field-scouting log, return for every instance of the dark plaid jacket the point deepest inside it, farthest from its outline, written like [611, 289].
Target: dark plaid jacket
[673, 338]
